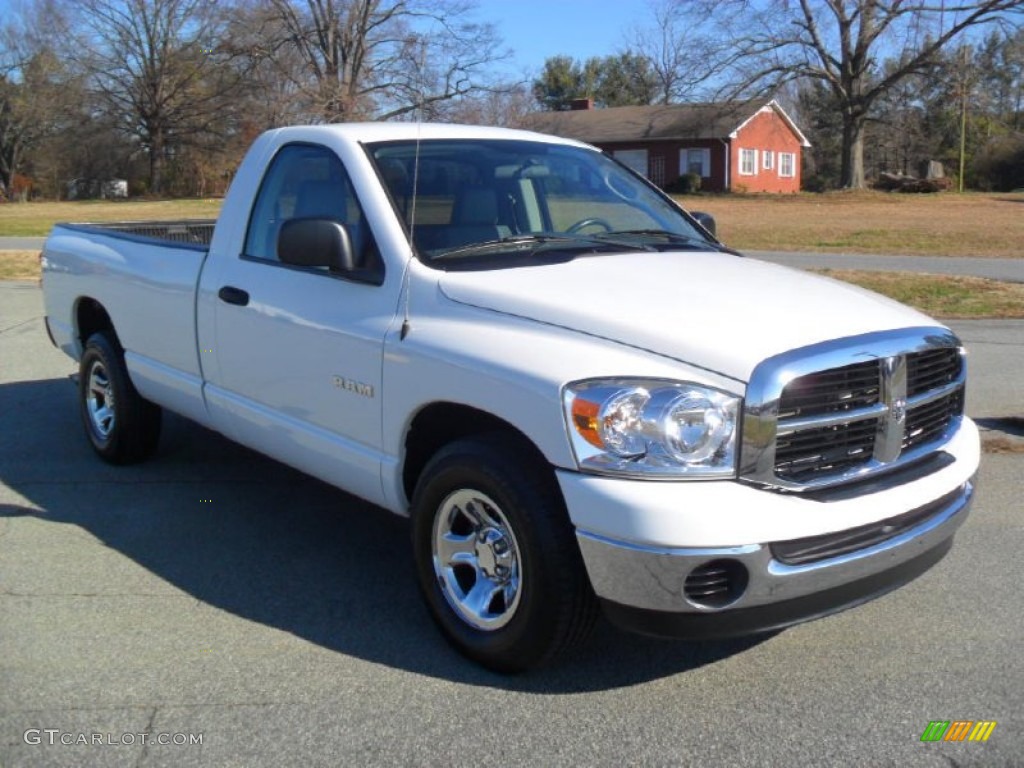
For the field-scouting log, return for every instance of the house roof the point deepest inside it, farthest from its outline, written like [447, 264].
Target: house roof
[657, 123]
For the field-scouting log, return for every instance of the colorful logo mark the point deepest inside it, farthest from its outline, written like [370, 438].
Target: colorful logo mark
[958, 730]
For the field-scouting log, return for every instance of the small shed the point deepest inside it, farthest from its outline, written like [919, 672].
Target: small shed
[105, 189]
[736, 146]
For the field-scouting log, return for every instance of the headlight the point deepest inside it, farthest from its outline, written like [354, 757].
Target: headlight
[652, 428]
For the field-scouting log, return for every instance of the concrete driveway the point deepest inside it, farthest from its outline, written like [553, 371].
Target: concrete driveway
[215, 594]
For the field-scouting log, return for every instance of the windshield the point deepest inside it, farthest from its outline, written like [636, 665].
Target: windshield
[492, 201]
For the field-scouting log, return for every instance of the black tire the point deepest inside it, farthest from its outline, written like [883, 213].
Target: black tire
[122, 427]
[552, 607]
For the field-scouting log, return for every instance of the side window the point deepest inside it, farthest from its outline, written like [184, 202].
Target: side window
[306, 181]
[695, 161]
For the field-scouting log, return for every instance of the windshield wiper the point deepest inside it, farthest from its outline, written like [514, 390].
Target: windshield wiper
[675, 238]
[534, 243]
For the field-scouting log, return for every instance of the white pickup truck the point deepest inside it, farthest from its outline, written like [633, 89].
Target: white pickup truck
[579, 396]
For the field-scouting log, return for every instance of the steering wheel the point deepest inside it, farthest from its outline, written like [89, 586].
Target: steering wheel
[584, 223]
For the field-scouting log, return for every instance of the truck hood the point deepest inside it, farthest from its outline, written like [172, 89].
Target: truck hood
[717, 311]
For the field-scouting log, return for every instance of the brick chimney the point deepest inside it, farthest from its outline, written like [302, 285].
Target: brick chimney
[581, 104]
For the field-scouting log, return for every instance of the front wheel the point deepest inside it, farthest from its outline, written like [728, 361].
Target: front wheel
[496, 556]
[121, 425]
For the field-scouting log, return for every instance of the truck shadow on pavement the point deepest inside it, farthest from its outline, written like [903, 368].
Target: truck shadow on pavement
[250, 536]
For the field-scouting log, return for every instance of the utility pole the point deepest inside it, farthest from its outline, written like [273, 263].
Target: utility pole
[963, 122]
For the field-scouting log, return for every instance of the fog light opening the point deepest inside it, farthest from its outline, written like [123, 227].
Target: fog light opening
[716, 584]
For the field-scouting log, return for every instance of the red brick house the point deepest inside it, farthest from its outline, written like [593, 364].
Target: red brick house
[734, 146]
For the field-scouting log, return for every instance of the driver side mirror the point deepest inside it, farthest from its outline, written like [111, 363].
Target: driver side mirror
[316, 243]
[707, 221]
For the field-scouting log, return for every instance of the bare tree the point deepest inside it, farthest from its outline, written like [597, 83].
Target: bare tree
[679, 60]
[898, 138]
[35, 85]
[161, 68]
[380, 58]
[274, 68]
[507, 105]
[764, 43]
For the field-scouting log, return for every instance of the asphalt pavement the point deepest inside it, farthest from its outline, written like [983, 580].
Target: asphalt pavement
[1007, 270]
[212, 593]
[21, 243]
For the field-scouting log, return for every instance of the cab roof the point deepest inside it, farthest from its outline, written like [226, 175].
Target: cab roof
[373, 132]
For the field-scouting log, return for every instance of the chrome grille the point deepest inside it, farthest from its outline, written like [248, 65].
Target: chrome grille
[932, 369]
[928, 421]
[840, 389]
[839, 411]
[810, 452]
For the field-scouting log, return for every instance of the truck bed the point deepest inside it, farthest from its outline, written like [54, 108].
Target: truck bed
[143, 274]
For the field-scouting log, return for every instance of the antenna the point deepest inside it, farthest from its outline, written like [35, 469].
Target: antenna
[412, 228]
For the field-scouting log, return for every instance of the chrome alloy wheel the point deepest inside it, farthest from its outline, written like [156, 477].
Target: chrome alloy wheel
[476, 559]
[100, 401]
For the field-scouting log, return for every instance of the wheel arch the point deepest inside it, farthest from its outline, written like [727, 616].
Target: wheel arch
[439, 423]
[91, 317]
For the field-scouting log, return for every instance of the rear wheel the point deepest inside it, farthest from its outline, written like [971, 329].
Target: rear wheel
[121, 425]
[496, 556]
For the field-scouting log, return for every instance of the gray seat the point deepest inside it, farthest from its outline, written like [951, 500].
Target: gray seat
[476, 205]
[396, 179]
[322, 200]
[476, 217]
[329, 200]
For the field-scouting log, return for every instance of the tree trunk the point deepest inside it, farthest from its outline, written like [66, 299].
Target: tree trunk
[6, 177]
[852, 172]
[156, 162]
[11, 171]
[8, 166]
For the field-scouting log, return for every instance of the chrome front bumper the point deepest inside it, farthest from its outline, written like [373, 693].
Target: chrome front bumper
[645, 588]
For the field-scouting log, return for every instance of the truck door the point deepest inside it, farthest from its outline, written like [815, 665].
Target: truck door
[298, 349]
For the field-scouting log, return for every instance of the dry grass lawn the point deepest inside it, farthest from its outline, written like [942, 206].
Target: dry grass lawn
[36, 219]
[941, 295]
[19, 265]
[946, 224]
[1002, 444]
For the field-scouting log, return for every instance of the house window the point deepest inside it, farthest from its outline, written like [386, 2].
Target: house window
[635, 159]
[787, 164]
[748, 162]
[768, 159]
[695, 161]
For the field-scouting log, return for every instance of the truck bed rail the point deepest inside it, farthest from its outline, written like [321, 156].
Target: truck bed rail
[196, 232]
